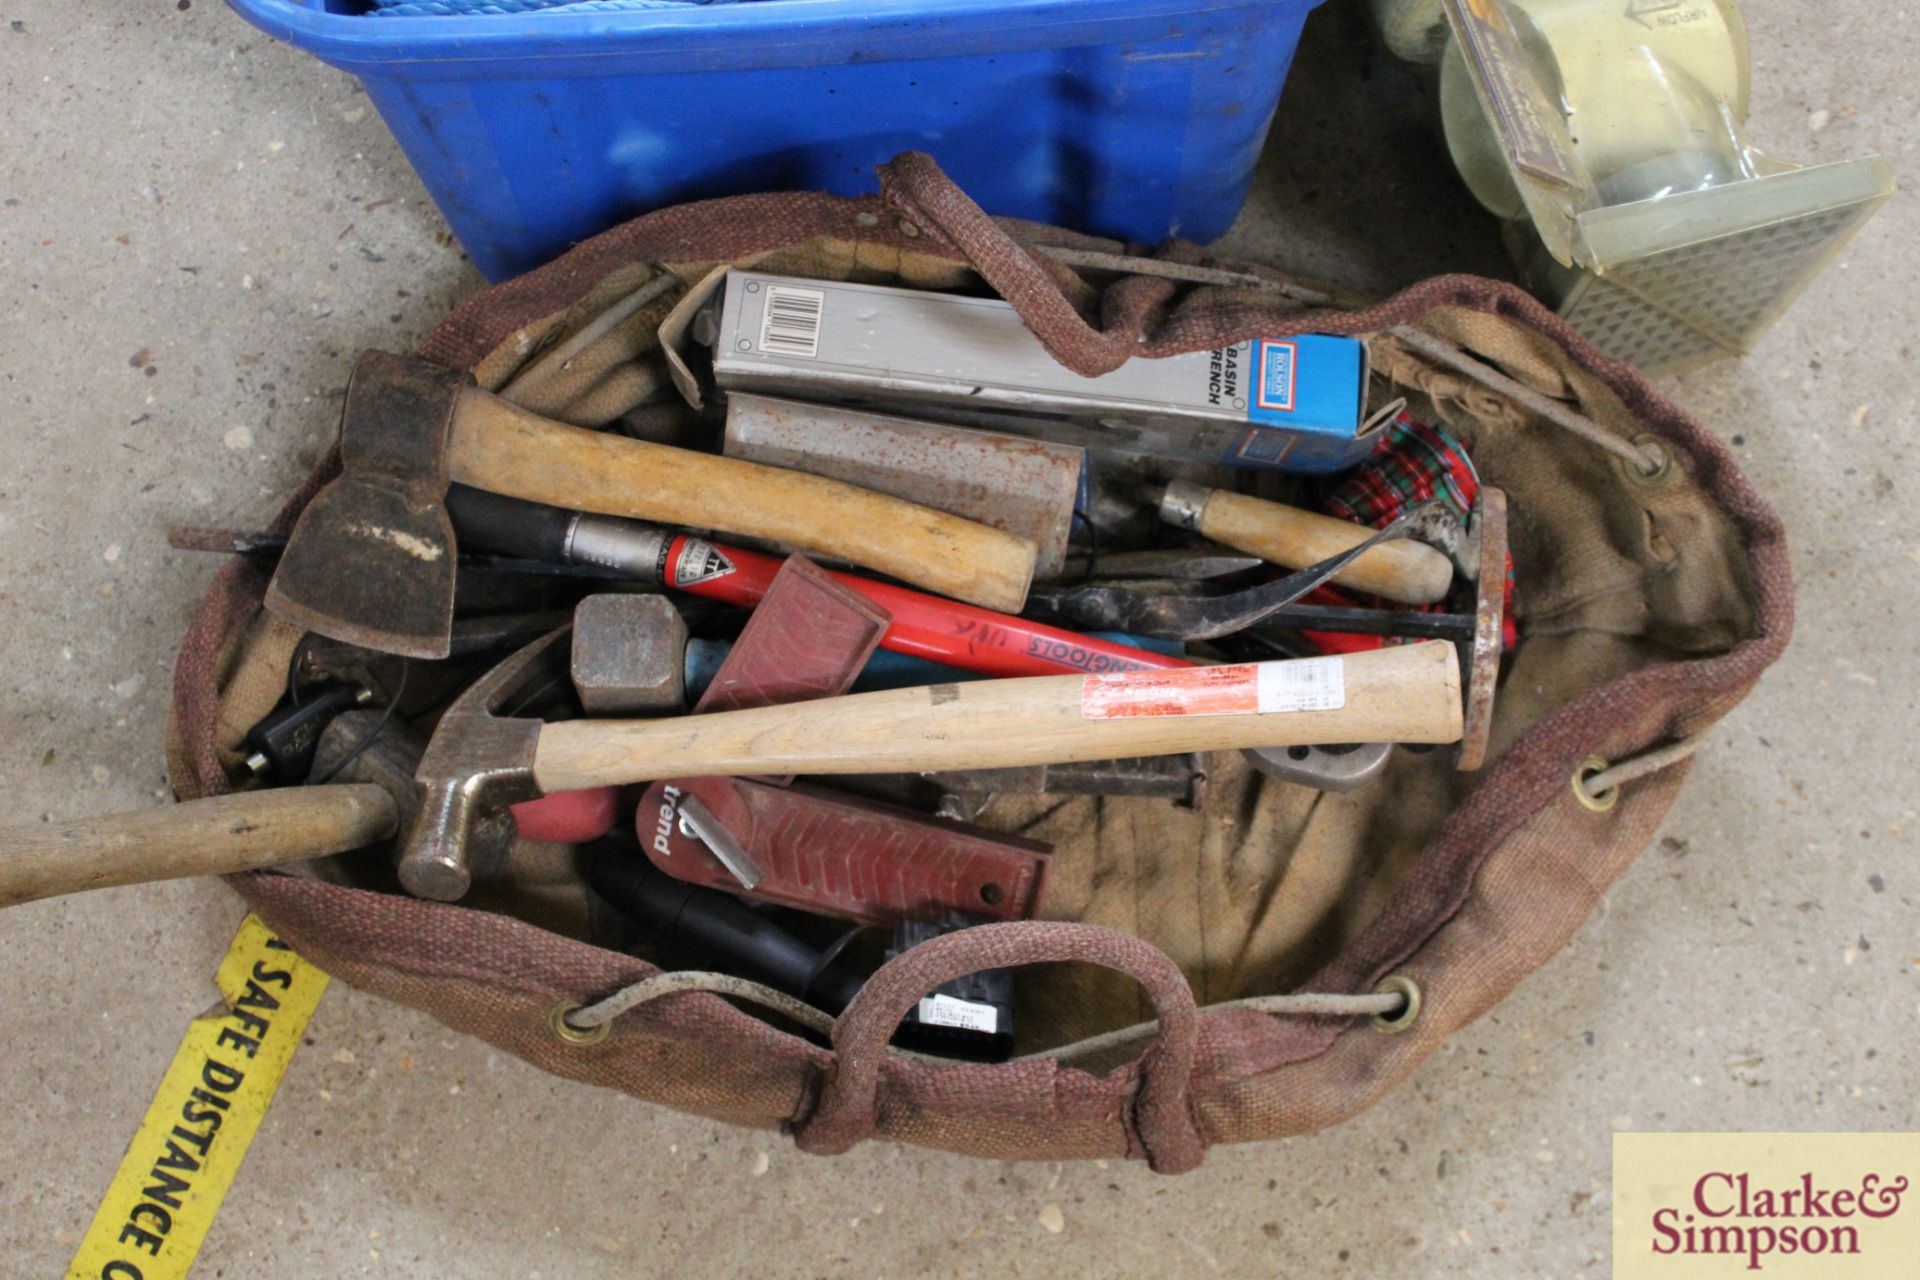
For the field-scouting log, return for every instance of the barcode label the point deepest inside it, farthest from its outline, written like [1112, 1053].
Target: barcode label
[949, 1011]
[1306, 684]
[790, 326]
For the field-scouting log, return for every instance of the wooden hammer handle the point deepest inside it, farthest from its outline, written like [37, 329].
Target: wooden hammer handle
[199, 838]
[502, 448]
[1406, 571]
[1403, 693]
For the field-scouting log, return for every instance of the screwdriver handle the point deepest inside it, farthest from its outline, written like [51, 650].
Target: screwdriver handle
[1405, 571]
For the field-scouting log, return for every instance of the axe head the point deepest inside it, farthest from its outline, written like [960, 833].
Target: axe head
[371, 559]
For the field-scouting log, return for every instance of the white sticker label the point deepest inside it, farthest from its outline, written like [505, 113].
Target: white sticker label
[699, 562]
[1247, 688]
[949, 1011]
[1306, 684]
[790, 326]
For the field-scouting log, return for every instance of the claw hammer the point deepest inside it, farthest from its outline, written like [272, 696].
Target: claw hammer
[480, 762]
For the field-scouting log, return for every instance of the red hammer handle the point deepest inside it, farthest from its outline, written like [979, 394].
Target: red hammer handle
[960, 635]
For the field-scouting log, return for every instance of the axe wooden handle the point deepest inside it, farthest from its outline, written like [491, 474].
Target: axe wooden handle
[198, 838]
[1403, 693]
[502, 448]
[1409, 572]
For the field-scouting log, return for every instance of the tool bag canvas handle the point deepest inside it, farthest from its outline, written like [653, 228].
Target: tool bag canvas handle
[1648, 606]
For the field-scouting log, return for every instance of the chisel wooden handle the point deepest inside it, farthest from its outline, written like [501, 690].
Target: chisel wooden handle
[1409, 572]
[1404, 693]
[503, 448]
[198, 838]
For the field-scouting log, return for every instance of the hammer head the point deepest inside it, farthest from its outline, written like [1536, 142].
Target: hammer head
[478, 765]
[371, 560]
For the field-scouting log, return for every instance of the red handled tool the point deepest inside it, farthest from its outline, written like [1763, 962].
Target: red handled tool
[926, 626]
[960, 635]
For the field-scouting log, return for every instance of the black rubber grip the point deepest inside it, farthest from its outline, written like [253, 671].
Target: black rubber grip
[508, 526]
[707, 927]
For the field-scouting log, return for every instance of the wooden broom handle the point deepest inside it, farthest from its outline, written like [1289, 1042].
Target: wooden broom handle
[1409, 572]
[1403, 693]
[199, 838]
[503, 448]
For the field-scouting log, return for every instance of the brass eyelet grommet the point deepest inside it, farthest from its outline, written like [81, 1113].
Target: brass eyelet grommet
[1656, 448]
[570, 1033]
[1591, 767]
[1402, 1018]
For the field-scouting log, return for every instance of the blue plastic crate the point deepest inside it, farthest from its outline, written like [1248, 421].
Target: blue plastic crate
[1137, 119]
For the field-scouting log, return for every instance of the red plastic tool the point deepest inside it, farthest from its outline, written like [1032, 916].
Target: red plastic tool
[960, 635]
[821, 850]
[843, 856]
[809, 637]
[572, 817]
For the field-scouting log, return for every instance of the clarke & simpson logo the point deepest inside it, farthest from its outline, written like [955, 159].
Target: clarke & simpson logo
[1726, 1215]
[1693, 1206]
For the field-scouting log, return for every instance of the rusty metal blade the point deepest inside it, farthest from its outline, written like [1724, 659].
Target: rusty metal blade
[1482, 659]
[371, 560]
[366, 566]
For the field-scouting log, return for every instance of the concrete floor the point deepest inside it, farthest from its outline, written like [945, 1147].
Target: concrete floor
[198, 231]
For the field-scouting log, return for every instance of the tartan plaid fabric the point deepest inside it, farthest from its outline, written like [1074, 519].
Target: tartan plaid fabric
[1412, 462]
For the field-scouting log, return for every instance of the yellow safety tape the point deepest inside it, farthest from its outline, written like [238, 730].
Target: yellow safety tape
[182, 1160]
